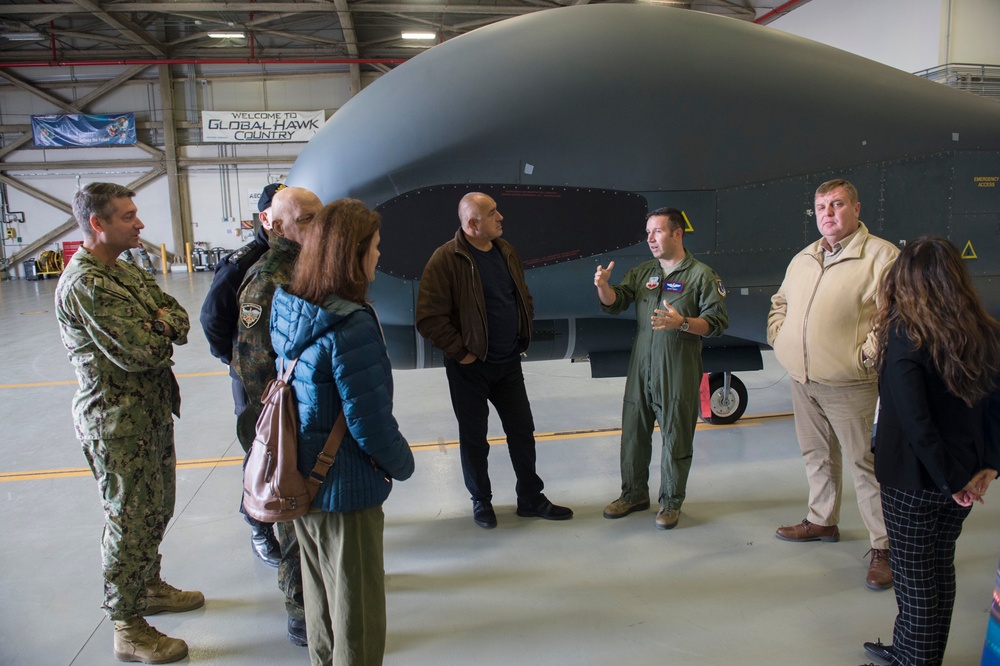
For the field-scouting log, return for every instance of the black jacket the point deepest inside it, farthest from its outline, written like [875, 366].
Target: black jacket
[220, 313]
[927, 438]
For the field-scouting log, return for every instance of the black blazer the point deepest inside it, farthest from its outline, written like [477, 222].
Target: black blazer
[927, 438]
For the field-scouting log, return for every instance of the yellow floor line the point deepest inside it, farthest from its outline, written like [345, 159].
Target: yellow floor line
[226, 461]
[72, 382]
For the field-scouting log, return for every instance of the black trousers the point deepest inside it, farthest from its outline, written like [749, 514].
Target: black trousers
[923, 527]
[472, 386]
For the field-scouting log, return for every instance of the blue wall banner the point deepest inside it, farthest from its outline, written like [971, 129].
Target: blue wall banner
[80, 129]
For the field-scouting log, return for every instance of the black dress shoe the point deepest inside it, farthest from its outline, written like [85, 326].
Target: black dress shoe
[297, 632]
[879, 650]
[545, 509]
[483, 514]
[265, 546]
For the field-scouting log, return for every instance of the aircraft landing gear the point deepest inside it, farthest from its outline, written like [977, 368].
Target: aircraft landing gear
[723, 398]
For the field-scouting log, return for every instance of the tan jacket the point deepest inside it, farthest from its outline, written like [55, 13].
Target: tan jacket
[820, 319]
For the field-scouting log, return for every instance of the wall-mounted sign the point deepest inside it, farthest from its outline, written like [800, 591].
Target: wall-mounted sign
[260, 126]
[81, 129]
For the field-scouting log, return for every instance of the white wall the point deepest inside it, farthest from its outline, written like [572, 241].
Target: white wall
[975, 32]
[911, 35]
[904, 34]
[218, 195]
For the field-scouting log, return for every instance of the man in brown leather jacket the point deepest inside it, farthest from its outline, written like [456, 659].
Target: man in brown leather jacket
[474, 305]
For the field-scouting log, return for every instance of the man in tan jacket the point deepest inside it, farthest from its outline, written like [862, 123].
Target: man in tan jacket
[820, 328]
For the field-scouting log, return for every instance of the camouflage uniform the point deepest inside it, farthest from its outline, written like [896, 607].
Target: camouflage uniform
[220, 321]
[123, 413]
[254, 363]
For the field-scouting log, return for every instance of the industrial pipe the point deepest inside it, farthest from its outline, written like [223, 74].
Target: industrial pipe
[200, 61]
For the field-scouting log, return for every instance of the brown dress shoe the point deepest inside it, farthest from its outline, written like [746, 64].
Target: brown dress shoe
[806, 531]
[879, 574]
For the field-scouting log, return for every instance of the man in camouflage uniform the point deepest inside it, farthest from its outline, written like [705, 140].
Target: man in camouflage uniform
[119, 329]
[254, 360]
[219, 319]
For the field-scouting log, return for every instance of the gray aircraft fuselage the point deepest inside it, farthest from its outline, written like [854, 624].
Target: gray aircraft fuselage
[579, 120]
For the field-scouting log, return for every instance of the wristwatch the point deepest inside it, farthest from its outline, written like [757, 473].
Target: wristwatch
[161, 328]
[684, 325]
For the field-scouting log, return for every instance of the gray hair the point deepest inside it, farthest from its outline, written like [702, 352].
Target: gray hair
[97, 199]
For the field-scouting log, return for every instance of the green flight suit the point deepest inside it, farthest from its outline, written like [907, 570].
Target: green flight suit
[664, 373]
[123, 412]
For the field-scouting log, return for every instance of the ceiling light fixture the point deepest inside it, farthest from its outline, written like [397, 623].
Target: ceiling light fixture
[22, 36]
[227, 35]
[419, 35]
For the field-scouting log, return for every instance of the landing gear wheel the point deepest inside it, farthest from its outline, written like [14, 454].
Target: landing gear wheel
[726, 408]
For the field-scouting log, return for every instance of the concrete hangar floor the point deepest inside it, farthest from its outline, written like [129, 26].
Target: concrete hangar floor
[717, 591]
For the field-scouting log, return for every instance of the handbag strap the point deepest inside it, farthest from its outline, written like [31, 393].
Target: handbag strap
[329, 453]
[286, 373]
[327, 456]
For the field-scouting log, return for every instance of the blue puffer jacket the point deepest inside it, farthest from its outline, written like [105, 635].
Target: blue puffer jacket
[342, 361]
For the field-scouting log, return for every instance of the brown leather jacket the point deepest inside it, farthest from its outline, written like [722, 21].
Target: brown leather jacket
[451, 310]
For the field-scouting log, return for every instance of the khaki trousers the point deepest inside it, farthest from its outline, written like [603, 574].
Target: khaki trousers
[832, 422]
[343, 580]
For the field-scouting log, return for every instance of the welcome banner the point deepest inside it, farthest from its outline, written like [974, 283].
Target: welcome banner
[260, 126]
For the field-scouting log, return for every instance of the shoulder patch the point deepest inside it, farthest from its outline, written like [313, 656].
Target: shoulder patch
[250, 314]
[721, 287]
[234, 257]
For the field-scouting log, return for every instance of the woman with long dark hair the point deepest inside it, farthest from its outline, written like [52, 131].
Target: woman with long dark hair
[935, 454]
[322, 318]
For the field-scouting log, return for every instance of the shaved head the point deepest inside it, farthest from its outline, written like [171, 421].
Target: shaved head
[291, 209]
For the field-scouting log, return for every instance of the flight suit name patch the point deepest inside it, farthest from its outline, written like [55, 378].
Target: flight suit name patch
[676, 287]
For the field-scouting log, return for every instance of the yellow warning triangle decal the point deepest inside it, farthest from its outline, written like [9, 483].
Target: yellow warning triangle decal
[969, 252]
[688, 228]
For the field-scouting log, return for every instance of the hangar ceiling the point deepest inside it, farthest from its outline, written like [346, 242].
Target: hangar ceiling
[48, 42]
[362, 33]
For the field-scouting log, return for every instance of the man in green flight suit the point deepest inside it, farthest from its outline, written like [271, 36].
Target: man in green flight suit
[292, 208]
[120, 328]
[683, 300]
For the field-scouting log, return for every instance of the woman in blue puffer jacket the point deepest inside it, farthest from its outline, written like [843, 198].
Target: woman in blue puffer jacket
[322, 319]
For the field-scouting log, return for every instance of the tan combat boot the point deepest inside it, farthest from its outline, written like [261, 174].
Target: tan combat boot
[164, 598]
[135, 640]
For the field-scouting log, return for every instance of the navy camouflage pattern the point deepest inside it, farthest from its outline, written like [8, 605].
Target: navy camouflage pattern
[123, 413]
[137, 483]
[123, 368]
